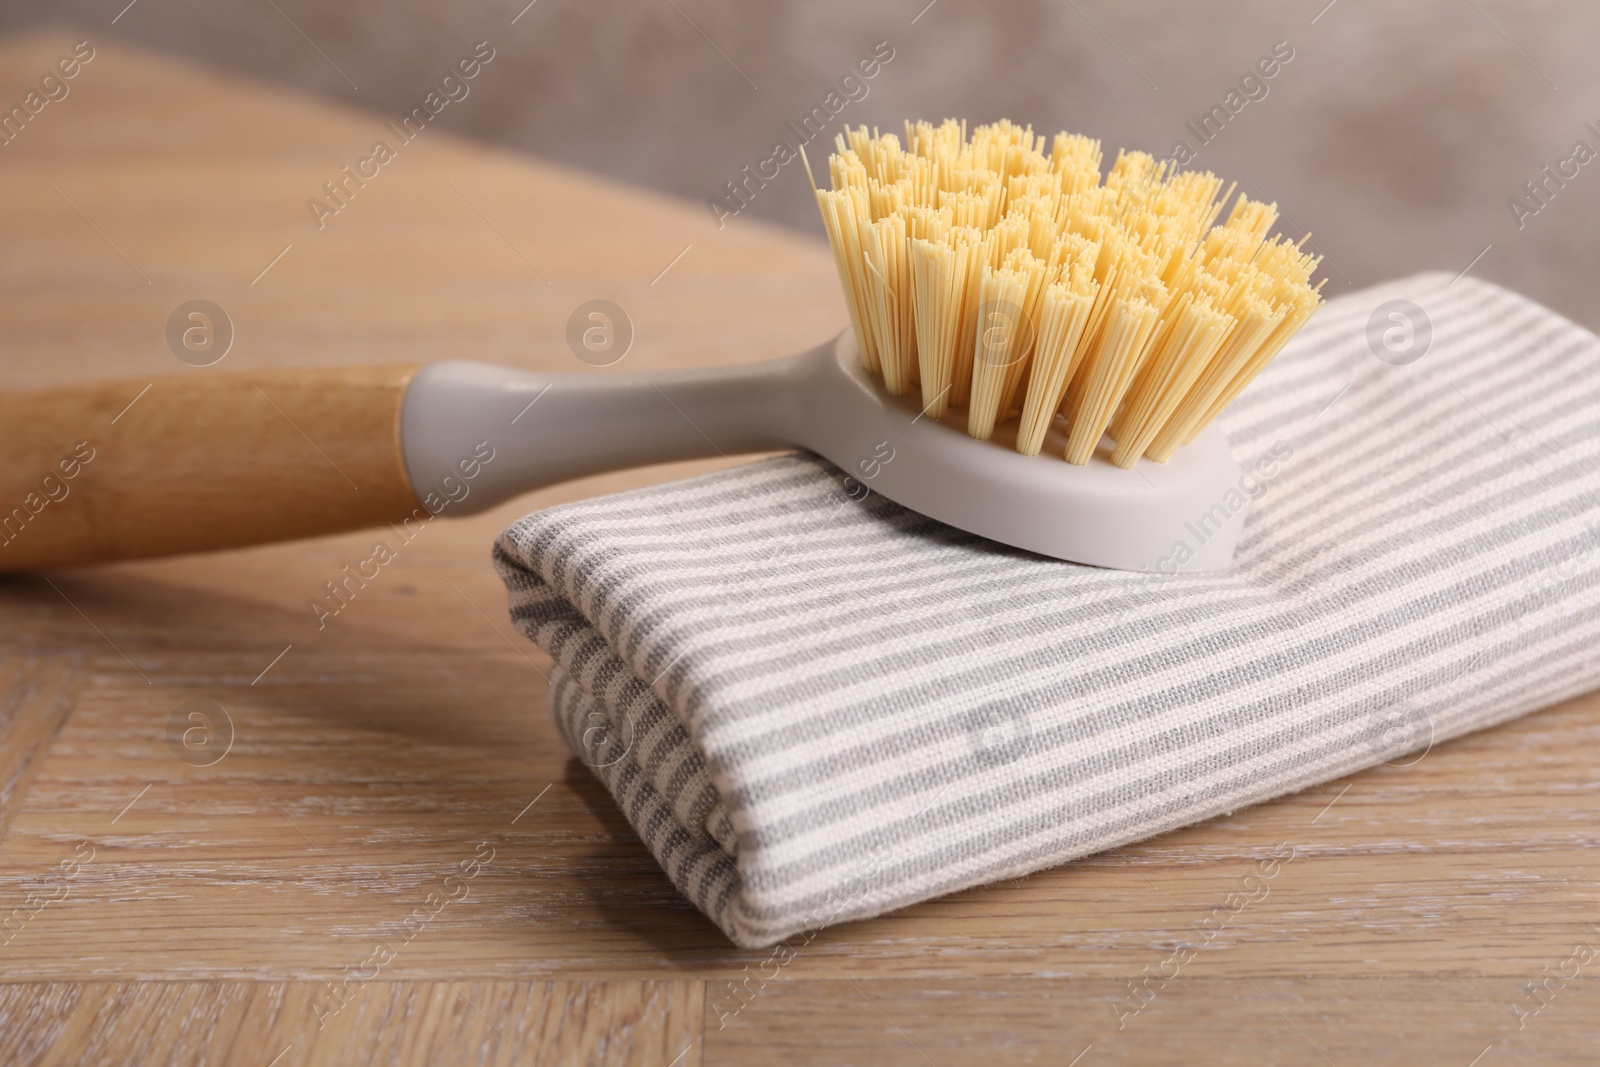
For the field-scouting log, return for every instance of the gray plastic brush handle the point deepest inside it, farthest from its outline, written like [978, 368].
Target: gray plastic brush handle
[1185, 514]
[546, 428]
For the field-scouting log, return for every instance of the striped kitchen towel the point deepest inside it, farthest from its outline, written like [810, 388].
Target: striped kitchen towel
[814, 705]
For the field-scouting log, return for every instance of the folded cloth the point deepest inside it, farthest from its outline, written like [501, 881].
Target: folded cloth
[814, 705]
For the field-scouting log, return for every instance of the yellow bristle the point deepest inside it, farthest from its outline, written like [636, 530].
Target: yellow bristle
[1198, 330]
[1298, 310]
[1255, 322]
[1063, 314]
[1009, 282]
[840, 211]
[889, 299]
[1253, 217]
[1002, 338]
[941, 274]
[1105, 378]
[1037, 274]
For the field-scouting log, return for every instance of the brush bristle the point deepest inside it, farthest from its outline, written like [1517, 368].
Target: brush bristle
[1005, 282]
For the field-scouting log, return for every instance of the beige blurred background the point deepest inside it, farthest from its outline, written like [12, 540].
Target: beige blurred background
[1397, 133]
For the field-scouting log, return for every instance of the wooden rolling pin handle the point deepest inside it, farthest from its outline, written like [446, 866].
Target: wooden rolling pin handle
[137, 468]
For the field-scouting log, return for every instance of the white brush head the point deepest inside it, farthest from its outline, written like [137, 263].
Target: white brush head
[1185, 514]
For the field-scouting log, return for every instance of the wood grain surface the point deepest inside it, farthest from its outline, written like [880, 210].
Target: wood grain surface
[233, 848]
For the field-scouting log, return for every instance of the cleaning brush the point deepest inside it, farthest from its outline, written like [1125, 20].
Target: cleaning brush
[1005, 294]
[1001, 282]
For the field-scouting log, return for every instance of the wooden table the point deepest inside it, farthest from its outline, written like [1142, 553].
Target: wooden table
[181, 910]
